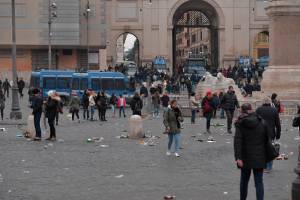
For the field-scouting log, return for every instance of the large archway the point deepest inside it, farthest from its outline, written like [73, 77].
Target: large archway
[195, 35]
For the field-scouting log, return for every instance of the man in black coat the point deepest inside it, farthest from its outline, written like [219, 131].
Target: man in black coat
[136, 105]
[271, 117]
[6, 85]
[21, 85]
[144, 94]
[229, 102]
[37, 104]
[250, 147]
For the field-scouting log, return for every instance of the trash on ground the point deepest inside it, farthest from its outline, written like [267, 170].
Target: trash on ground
[122, 137]
[23, 160]
[94, 139]
[282, 157]
[19, 136]
[119, 176]
[169, 197]
[60, 140]
[45, 146]
[218, 125]
[297, 138]
[2, 129]
[9, 191]
[50, 144]
[210, 140]
[225, 193]
[26, 172]
[291, 153]
[200, 140]
[104, 145]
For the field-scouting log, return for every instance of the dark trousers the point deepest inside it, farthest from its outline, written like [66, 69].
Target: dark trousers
[102, 112]
[75, 113]
[86, 113]
[6, 91]
[57, 118]
[229, 116]
[51, 120]
[21, 92]
[37, 125]
[208, 117]
[193, 116]
[122, 109]
[258, 180]
[1, 110]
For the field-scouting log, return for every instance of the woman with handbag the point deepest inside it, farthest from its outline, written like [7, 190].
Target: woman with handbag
[172, 120]
[52, 107]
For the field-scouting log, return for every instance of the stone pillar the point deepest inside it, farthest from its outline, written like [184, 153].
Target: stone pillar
[283, 74]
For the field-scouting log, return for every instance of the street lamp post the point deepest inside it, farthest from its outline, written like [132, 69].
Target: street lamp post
[15, 107]
[51, 16]
[86, 14]
[296, 183]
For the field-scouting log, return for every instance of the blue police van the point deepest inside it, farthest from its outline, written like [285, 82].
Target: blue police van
[64, 82]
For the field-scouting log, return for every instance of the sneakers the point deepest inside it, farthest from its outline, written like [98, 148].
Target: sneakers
[168, 153]
[176, 154]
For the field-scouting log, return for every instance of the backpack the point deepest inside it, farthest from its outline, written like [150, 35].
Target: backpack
[137, 106]
[296, 121]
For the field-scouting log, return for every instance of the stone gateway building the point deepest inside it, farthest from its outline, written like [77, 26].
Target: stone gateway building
[218, 30]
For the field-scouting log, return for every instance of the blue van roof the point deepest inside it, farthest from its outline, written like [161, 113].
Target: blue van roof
[72, 72]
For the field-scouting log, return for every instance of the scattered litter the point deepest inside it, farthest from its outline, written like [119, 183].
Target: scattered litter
[291, 153]
[193, 136]
[200, 140]
[119, 176]
[50, 144]
[2, 129]
[104, 145]
[23, 160]
[122, 137]
[297, 138]
[94, 139]
[282, 157]
[60, 140]
[169, 197]
[45, 146]
[225, 193]
[210, 140]
[19, 136]
[9, 191]
[218, 125]
[228, 142]
[151, 141]
[26, 172]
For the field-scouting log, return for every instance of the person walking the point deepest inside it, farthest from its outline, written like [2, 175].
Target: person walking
[59, 111]
[172, 120]
[85, 104]
[21, 86]
[275, 102]
[136, 105]
[6, 85]
[165, 99]
[156, 104]
[229, 103]
[92, 104]
[2, 103]
[144, 93]
[37, 109]
[113, 102]
[208, 107]
[222, 112]
[296, 120]
[250, 147]
[271, 117]
[121, 105]
[52, 107]
[216, 102]
[194, 105]
[74, 106]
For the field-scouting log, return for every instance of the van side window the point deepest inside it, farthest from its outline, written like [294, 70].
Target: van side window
[95, 84]
[35, 82]
[63, 83]
[119, 84]
[75, 84]
[107, 84]
[49, 83]
[84, 84]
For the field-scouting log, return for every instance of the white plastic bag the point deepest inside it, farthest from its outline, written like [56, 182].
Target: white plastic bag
[30, 130]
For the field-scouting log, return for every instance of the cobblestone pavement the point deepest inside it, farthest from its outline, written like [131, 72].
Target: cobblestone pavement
[116, 168]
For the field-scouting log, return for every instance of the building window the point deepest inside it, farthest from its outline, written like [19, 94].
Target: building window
[193, 38]
[67, 52]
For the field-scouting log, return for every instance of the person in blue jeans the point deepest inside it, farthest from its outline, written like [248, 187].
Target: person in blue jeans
[250, 150]
[172, 120]
[37, 109]
[194, 105]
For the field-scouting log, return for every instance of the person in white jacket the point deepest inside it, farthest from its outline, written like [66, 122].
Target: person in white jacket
[92, 104]
[194, 105]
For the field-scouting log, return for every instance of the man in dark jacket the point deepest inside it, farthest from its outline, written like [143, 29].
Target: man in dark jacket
[21, 85]
[85, 105]
[136, 105]
[229, 102]
[6, 85]
[271, 117]
[144, 94]
[250, 144]
[37, 104]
